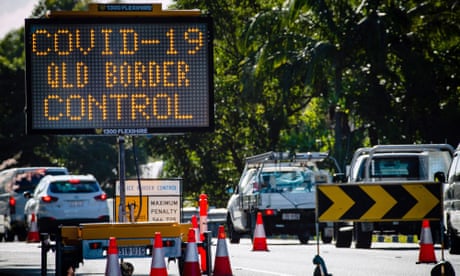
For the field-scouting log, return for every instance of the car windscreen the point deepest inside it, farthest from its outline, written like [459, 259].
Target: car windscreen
[284, 180]
[407, 167]
[71, 187]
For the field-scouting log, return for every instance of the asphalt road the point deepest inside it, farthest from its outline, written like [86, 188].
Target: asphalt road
[285, 258]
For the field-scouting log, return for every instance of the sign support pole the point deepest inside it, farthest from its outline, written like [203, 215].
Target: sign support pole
[121, 174]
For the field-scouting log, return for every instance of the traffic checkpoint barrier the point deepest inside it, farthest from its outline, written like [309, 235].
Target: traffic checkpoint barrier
[222, 261]
[33, 235]
[112, 267]
[426, 252]
[158, 266]
[260, 240]
[395, 238]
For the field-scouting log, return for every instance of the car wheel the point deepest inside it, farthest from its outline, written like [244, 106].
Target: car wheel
[344, 237]
[325, 239]
[454, 243]
[304, 237]
[363, 238]
[22, 235]
[233, 236]
[9, 236]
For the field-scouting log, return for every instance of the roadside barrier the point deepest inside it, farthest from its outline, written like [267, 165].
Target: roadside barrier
[112, 267]
[203, 202]
[426, 253]
[158, 267]
[260, 240]
[194, 220]
[191, 264]
[222, 260]
[33, 235]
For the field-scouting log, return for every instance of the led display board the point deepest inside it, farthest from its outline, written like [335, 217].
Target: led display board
[117, 76]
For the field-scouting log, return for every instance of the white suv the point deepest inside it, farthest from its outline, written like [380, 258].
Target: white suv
[452, 204]
[67, 200]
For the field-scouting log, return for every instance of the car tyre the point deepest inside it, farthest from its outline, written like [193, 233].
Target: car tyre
[233, 236]
[304, 237]
[9, 236]
[363, 238]
[454, 243]
[344, 237]
[325, 239]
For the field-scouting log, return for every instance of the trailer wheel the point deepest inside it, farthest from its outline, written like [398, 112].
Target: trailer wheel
[67, 267]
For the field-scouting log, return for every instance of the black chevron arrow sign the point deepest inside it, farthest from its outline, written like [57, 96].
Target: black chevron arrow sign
[379, 202]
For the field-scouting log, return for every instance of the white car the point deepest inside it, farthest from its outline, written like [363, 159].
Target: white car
[66, 200]
[452, 205]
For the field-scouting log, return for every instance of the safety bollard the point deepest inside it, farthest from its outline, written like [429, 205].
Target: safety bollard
[203, 203]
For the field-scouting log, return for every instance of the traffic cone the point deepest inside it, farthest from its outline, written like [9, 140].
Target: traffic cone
[426, 253]
[260, 241]
[158, 267]
[222, 261]
[33, 235]
[191, 264]
[112, 267]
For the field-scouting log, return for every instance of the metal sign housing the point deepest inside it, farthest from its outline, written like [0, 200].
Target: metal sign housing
[119, 75]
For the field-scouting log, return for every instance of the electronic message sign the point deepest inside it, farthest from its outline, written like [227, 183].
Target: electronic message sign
[117, 76]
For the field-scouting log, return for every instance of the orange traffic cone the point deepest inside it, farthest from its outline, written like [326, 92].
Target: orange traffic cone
[112, 267]
[158, 267]
[222, 261]
[191, 264]
[426, 254]
[32, 235]
[260, 241]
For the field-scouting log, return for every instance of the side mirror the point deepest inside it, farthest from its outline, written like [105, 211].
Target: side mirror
[339, 178]
[440, 177]
[230, 190]
[27, 194]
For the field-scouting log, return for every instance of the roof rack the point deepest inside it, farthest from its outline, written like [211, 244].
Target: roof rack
[274, 157]
[415, 148]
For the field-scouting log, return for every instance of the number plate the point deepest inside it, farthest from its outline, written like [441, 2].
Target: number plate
[76, 203]
[132, 251]
[290, 216]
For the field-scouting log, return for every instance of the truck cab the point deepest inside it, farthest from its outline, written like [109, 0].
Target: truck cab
[281, 186]
[397, 164]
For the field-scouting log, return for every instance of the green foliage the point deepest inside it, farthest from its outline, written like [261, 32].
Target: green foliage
[297, 75]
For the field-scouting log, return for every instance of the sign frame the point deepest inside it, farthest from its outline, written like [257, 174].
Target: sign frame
[148, 202]
[205, 109]
[378, 202]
